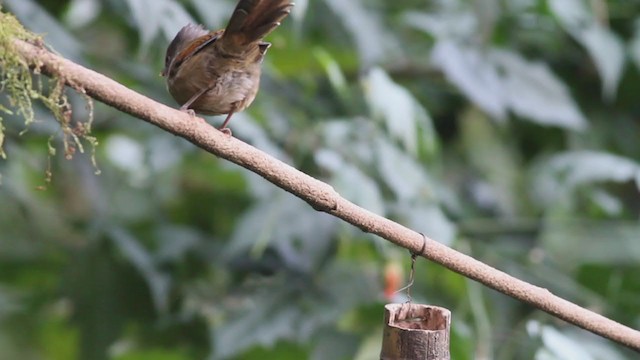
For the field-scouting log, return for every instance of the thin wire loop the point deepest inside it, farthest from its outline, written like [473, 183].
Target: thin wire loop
[413, 269]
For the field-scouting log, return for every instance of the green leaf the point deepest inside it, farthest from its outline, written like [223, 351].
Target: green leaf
[498, 81]
[431, 221]
[561, 346]
[159, 283]
[369, 34]
[81, 13]
[289, 226]
[401, 112]
[450, 22]
[634, 44]
[600, 242]
[153, 16]
[329, 345]
[563, 173]
[263, 324]
[406, 178]
[215, 14]
[534, 92]
[475, 75]
[604, 46]
[570, 344]
[351, 182]
[495, 161]
[154, 354]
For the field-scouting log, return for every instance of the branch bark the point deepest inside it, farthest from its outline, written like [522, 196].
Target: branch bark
[318, 194]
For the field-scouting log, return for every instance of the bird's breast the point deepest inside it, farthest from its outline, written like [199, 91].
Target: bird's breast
[232, 83]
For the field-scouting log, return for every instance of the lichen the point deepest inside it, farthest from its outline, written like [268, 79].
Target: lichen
[23, 84]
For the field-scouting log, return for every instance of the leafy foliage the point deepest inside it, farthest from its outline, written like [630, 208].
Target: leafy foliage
[507, 130]
[16, 81]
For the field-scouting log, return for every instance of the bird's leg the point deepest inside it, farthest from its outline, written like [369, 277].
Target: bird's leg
[185, 106]
[224, 127]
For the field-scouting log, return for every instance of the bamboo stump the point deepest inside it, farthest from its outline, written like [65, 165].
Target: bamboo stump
[415, 332]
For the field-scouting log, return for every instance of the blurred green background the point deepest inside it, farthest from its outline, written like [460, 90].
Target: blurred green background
[505, 129]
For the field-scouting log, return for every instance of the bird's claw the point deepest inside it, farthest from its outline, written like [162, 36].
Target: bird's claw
[191, 114]
[188, 111]
[226, 131]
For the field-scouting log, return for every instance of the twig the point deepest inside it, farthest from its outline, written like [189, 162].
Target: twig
[318, 194]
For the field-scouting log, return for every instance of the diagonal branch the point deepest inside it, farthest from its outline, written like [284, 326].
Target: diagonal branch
[318, 194]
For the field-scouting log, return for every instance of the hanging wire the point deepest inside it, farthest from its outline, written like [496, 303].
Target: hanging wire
[414, 256]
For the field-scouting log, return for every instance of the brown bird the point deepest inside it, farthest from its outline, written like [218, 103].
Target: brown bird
[218, 72]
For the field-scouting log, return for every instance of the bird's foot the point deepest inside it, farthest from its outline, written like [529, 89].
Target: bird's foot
[191, 113]
[226, 131]
[188, 111]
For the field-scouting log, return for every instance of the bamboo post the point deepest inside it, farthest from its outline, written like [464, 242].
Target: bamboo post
[415, 332]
